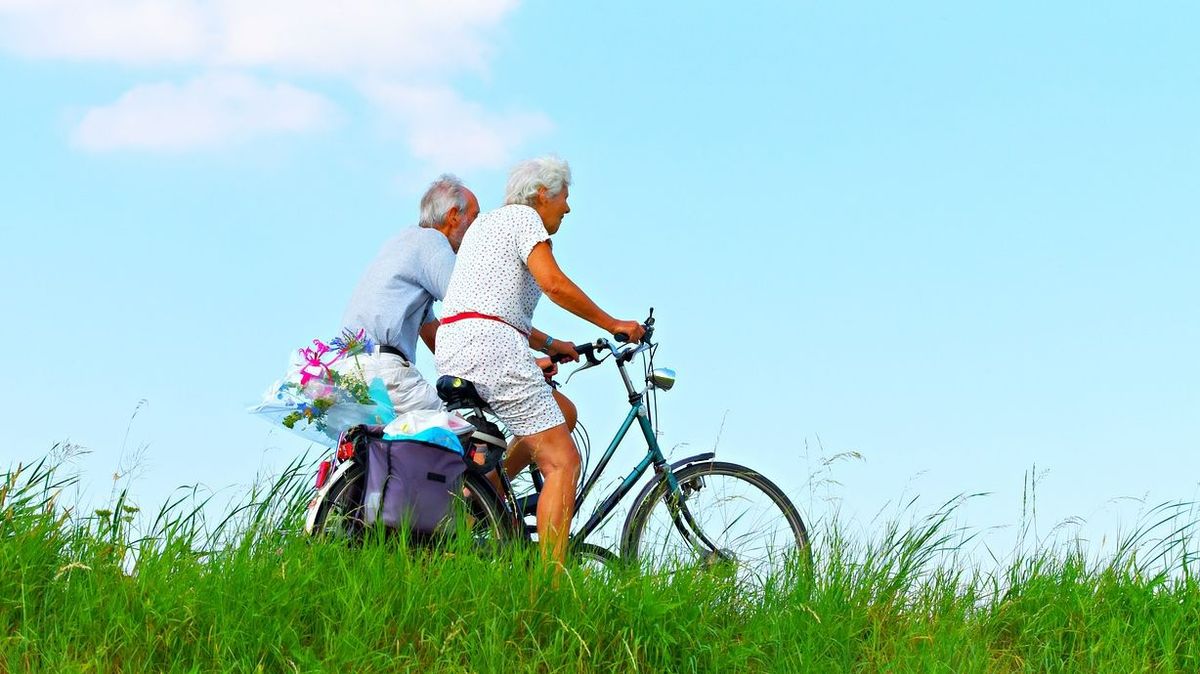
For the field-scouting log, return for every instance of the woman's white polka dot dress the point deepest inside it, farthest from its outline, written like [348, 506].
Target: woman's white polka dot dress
[491, 277]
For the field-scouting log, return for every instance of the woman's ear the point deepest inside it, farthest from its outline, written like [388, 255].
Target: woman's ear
[540, 197]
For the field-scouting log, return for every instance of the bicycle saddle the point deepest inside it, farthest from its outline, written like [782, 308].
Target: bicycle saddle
[458, 393]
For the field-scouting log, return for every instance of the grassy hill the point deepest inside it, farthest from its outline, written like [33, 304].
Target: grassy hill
[105, 593]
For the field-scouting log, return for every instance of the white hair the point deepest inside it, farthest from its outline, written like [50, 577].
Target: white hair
[443, 194]
[526, 177]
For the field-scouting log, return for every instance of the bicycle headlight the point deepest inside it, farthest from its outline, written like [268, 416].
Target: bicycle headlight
[663, 378]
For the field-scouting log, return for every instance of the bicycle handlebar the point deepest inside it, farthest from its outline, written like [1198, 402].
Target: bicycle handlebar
[647, 328]
[584, 349]
[588, 349]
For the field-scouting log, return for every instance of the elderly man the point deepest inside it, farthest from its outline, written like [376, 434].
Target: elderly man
[506, 264]
[393, 302]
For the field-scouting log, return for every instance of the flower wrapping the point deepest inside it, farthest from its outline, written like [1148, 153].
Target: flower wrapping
[318, 402]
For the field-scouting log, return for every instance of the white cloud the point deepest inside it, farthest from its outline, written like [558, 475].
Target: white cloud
[449, 132]
[208, 111]
[122, 31]
[391, 43]
[382, 37]
[314, 36]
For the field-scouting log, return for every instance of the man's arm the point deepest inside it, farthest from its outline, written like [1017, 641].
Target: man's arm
[436, 266]
[428, 334]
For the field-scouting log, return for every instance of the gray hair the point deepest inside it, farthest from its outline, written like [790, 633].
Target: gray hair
[443, 194]
[526, 177]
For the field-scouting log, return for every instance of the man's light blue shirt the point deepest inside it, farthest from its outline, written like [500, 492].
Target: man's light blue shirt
[396, 294]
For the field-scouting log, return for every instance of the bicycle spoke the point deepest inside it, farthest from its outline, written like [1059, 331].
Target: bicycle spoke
[754, 530]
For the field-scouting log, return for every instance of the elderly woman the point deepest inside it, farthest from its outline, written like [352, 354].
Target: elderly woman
[504, 265]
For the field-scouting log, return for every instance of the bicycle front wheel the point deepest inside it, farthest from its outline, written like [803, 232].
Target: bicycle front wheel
[724, 516]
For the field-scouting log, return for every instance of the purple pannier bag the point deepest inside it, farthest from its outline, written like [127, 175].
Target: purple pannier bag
[409, 482]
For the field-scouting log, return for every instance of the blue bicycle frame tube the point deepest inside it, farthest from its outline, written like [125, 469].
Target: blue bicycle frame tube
[606, 457]
[653, 456]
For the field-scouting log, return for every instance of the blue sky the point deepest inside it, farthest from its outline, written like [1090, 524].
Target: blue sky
[958, 240]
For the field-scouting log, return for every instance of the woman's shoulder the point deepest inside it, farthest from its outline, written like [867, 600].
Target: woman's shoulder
[512, 212]
[504, 222]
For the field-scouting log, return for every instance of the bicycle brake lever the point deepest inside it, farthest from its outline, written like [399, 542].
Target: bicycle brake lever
[592, 362]
[588, 351]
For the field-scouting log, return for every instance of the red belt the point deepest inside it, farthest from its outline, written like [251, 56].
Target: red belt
[476, 314]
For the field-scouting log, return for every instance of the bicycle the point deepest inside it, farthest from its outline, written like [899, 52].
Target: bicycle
[694, 510]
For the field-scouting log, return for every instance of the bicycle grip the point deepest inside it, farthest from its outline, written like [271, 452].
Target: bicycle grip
[584, 349]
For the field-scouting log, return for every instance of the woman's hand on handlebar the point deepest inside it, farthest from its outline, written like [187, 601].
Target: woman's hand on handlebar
[632, 331]
[561, 351]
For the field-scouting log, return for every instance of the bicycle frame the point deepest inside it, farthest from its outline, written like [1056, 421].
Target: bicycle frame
[654, 457]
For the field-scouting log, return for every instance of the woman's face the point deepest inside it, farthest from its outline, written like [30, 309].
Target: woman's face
[552, 208]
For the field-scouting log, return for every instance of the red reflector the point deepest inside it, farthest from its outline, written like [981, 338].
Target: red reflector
[345, 451]
[322, 474]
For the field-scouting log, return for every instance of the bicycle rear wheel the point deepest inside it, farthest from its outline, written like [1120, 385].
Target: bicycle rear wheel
[475, 508]
[731, 518]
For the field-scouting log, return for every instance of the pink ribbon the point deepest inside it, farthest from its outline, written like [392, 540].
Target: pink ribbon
[315, 366]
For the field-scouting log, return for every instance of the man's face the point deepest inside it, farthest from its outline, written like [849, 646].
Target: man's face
[462, 221]
[553, 208]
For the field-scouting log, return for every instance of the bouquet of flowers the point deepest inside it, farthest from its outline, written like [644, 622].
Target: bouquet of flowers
[319, 401]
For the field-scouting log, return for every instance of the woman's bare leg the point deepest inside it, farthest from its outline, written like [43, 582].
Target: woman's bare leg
[558, 459]
[519, 453]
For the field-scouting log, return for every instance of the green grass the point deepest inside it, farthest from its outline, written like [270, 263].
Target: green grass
[123, 591]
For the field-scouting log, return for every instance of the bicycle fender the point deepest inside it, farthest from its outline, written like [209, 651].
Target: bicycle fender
[645, 492]
[311, 516]
[693, 459]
